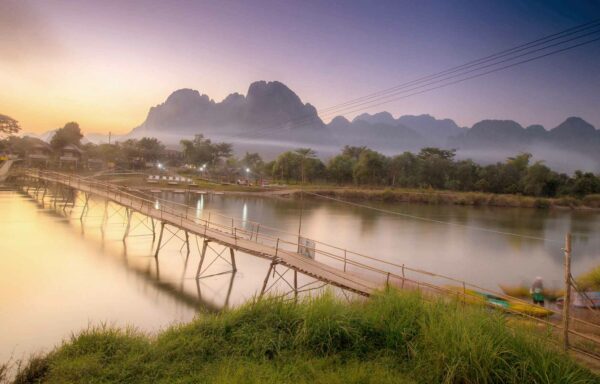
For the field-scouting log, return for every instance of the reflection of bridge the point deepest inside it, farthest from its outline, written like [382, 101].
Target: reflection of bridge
[174, 221]
[150, 276]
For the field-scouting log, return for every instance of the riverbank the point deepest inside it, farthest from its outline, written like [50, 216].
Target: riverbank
[366, 193]
[405, 195]
[392, 337]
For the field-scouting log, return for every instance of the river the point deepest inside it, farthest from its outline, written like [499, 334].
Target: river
[61, 274]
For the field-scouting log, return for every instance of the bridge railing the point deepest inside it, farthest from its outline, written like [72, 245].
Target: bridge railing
[382, 272]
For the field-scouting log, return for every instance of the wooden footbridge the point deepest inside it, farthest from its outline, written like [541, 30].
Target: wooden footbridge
[325, 263]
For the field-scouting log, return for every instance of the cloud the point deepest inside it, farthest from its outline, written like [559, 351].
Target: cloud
[25, 34]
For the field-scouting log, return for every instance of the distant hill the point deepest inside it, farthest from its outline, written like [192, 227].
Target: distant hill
[269, 110]
[271, 118]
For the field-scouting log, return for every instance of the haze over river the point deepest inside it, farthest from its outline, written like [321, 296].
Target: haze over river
[60, 274]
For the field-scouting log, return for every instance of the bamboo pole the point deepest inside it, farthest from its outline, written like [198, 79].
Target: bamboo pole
[567, 303]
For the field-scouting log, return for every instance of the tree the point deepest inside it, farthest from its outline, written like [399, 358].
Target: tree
[538, 180]
[70, 134]
[403, 170]
[8, 125]
[150, 148]
[202, 151]
[370, 168]
[253, 161]
[221, 150]
[339, 168]
[304, 153]
[465, 175]
[353, 152]
[435, 166]
[585, 184]
[287, 166]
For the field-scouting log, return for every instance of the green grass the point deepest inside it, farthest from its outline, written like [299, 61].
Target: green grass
[590, 281]
[391, 338]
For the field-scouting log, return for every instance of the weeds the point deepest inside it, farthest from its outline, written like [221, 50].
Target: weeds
[390, 338]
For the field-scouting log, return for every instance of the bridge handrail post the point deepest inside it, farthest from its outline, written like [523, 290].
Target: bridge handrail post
[345, 259]
[277, 247]
[235, 235]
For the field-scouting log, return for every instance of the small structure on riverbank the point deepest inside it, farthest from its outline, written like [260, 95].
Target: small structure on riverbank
[71, 156]
[39, 153]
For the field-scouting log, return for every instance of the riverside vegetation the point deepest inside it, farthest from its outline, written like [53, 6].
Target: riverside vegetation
[392, 337]
[359, 167]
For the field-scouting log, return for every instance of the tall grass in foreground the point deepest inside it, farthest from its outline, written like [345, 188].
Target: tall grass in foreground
[390, 338]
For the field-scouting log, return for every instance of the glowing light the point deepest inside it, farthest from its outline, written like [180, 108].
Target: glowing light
[199, 206]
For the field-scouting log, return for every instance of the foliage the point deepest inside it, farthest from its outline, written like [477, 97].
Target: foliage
[590, 281]
[340, 168]
[70, 134]
[201, 151]
[390, 338]
[8, 125]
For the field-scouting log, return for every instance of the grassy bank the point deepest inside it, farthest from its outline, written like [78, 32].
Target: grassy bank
[590, 280]
[429, 196]
[391, 338]
[399, 195]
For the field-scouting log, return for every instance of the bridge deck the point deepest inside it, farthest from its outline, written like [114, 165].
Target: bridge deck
[293, 260]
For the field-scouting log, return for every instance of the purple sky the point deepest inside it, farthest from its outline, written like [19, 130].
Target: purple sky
[104, 63]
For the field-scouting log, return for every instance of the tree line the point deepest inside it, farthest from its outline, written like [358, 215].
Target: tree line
[430, 168]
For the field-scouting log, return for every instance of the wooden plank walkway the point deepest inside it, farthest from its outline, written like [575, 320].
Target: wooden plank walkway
[293, 260]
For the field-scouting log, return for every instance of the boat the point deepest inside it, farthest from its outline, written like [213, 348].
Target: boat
[509, 305]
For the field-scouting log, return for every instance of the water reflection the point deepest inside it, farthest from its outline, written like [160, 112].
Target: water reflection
[71, 272]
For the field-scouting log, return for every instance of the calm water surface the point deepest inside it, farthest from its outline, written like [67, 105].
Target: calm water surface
[60, 274]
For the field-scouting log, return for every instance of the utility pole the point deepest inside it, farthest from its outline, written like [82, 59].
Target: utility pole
[567, 302]
[301, 210]
[109, 136]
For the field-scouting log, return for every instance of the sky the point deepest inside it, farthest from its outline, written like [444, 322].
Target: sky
[105, 63]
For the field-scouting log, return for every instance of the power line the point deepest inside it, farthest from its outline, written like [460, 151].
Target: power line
[470, 64]
[456, 81]
[309, 119]
[474, 70]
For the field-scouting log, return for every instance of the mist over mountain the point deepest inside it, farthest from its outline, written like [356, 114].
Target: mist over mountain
[271, 118]
[268, 110]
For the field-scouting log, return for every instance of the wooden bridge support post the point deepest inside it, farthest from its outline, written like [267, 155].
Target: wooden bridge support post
[128, 214]
[44, 194]
[187, 241]
[162, 228]
[567, 302]
[232, 256]
[295, 285]
[153, 229]
[202, 255]
[105, 213]
[264, 287]
[85, 205]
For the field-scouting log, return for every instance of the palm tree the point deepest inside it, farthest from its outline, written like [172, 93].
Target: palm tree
[304, 153]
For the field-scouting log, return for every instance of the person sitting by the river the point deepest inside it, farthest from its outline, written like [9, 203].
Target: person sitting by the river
[537, 291]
